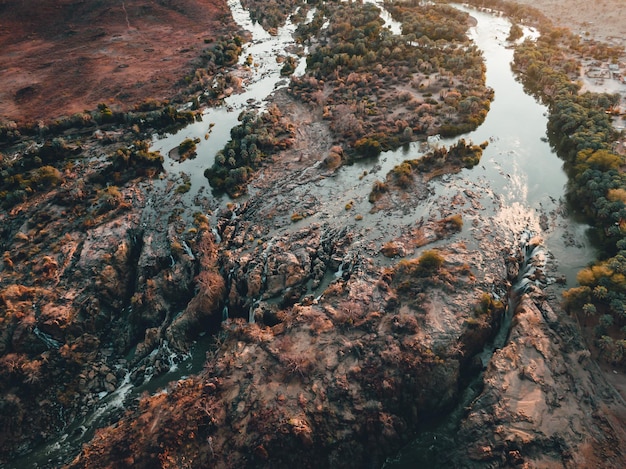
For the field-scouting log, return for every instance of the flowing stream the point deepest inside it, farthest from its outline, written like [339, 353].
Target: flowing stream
[525, 180]
[519, 182]
[261, 79]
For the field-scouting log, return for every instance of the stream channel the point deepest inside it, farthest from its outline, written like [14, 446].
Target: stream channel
[519, 184]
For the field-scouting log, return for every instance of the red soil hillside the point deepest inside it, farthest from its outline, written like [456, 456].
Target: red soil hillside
[59, 57]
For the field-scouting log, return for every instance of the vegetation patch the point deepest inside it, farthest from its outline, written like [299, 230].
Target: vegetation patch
[252, 142]
[436, 163]
[377, 89]
[187, 149]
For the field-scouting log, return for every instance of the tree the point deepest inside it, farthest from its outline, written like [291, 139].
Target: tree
[515, 33]
[589, 310]
[431, 261]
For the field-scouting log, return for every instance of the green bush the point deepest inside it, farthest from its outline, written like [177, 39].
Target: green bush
[46, 177]
[431, 261]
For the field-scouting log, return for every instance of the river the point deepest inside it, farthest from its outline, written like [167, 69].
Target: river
[519, 181]
[259, 81]
[520, 184]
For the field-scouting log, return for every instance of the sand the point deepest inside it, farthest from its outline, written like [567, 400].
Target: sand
[604, 19]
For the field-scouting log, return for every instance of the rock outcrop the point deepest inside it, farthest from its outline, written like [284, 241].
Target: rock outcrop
[85, 283]
[543, 403]
[338, 381]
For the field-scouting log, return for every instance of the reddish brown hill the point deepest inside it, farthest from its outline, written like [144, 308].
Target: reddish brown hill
[64, 56]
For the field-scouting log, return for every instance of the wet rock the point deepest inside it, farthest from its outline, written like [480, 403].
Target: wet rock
[206, 303]
[105, 254]
[148, 344]
[283, 267]
[350, 372]
[284, 270]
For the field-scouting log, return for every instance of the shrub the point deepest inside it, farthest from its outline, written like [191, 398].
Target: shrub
[456, 221]
[368, 147]
[487, 304]
[46, 176]
[515, 33]
[187, 149]
[390, 249]
[378, 189]
[576, 297]
[431, 261]
[334, 158]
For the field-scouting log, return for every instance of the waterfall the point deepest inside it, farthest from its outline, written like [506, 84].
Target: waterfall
[188, 251]
[251, 312]
[531, 258]
[339, 272]
[216, 235]
[46, 339]
[432, 444]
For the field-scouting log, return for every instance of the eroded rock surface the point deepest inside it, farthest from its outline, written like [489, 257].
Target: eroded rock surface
[339, 382]
[545, 403]
[329, 355]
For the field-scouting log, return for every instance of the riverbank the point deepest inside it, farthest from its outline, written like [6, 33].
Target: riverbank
[602, 21]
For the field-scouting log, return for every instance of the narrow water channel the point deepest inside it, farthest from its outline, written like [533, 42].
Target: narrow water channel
[436, 442]
[259, 81]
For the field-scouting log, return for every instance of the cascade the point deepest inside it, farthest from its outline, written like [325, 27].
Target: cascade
[530, 260]
[432, 443]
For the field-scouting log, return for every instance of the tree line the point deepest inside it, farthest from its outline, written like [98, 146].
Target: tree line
[581, 130]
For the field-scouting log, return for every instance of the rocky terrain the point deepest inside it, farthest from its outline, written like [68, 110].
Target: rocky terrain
[332, 341]
[545, 402]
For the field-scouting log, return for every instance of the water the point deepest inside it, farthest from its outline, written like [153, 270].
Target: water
[436, 443]
[520, 181]
[524, 179]
[81, 429]
[261, 79]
